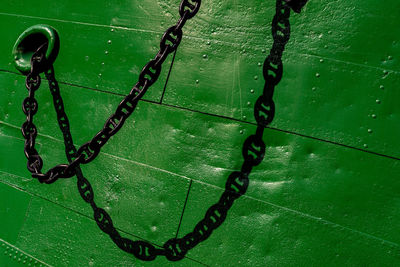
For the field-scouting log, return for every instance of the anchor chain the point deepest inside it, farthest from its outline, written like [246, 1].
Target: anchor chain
[90, 150]
[253, 149]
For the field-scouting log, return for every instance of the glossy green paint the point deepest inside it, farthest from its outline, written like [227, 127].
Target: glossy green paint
[327, 193]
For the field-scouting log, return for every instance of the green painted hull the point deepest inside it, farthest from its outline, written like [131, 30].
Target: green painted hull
[327, 192]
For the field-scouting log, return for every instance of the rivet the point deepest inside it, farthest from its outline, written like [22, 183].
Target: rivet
[317, 75]
[109, 42]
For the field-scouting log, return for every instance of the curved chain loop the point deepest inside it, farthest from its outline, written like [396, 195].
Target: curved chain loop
[237, 183]
[89, 151]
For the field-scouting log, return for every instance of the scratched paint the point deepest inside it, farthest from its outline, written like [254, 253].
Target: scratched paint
[326, 193]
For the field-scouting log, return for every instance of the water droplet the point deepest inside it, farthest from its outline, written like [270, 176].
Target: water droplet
[259, 64]
[317, 75]
[106, 52]
[256, 77]
[204, 56]
[390, 57]
[112, 30]
[373, 116]
[100, 74]
[252, 91]
[385, 72]
[197, 81]
[244, 117]
[365, 146]
[313, 88]
[241, 131]
[248, 103]
[208, 42]
[378, 101]
[369, 130]
[109, 42]
[263, 51]
[382, 87]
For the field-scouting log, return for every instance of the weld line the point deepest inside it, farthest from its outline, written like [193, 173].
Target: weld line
[184, 207]
[166, 81]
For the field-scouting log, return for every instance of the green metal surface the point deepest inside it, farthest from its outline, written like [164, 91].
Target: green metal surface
[327, 193]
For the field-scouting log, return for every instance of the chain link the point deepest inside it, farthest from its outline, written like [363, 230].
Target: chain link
[237, 183]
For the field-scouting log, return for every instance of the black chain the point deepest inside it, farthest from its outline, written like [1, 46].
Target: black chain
[89, 151]
[253, 148]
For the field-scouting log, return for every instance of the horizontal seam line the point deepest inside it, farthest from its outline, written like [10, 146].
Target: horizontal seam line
[302, 214]
[77, 212]
[228, 118]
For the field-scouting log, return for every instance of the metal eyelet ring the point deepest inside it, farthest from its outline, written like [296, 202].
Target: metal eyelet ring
[29, 42]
